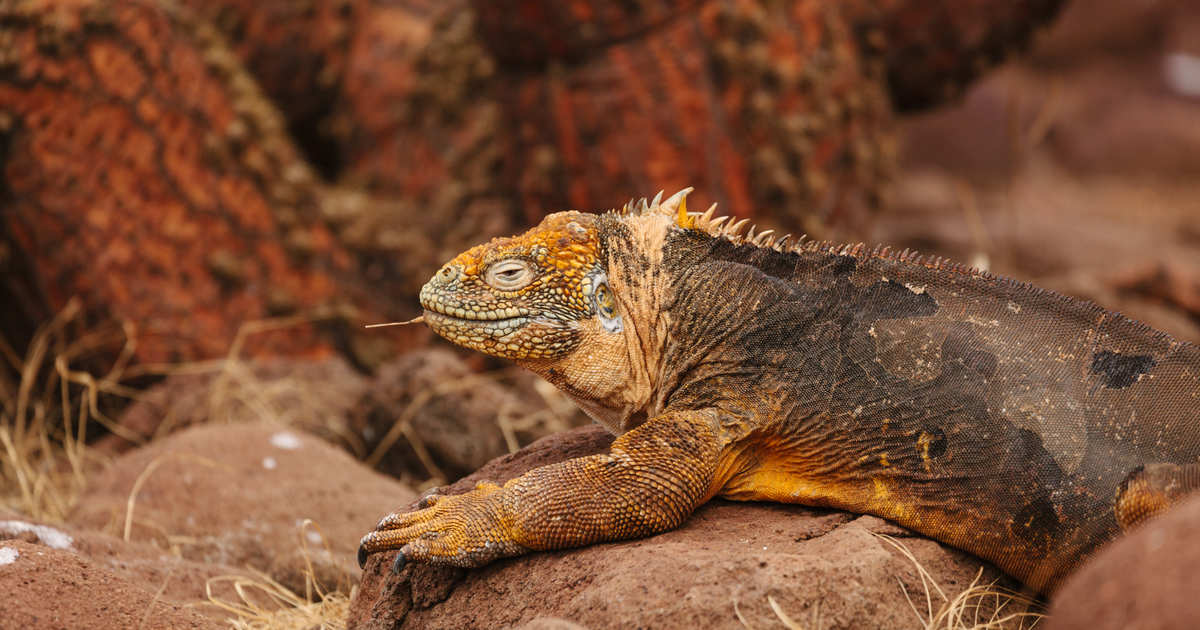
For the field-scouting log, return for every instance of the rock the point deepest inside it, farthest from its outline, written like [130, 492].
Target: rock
[550, 623]
[1147, 580]
[148, 567]
[151, 179]
[239, 494]
[314, 396]
[458, 417]
[726, 553]
[55, 589]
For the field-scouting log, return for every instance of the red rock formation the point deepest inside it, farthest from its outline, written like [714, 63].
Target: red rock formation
[144, 173]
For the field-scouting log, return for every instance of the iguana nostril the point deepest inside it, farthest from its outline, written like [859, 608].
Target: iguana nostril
[447, 275]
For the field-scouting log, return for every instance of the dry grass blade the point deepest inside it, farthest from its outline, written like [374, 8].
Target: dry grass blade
[738, 611]
[150, 468]
[787, 621]
[926, 579]
[967, 609]
[33, 363]
[159, 592]
[276, 323]
[327, 611]
[978, 607]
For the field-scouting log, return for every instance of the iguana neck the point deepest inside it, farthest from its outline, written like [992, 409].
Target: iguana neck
[616, 377]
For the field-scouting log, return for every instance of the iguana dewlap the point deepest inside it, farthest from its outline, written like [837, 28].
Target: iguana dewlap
[1025, 427]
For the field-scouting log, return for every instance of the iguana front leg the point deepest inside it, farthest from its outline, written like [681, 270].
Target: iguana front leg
[653, 478]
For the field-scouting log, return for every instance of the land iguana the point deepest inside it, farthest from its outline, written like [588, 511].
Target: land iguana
[1022, 426]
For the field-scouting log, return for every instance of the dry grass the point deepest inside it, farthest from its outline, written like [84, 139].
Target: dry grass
[320, 608]
[980, 606]
[44, 463]
[49, 402]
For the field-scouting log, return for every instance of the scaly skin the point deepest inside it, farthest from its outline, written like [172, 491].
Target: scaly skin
[1022, 426]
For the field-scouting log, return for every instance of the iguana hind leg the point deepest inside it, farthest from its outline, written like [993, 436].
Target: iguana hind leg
[1152, 489]
[650, 482]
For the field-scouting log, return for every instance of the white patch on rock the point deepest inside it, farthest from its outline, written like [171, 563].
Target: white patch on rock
[313, 537]
[8, 555]
[49, 536]
[269, 463]
[1181, 71]
[286, 441]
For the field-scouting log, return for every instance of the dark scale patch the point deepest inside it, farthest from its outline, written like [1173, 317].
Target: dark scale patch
[1035, 475]
[931, 443]
[1118, 371]
[968, 352]
[892, 300]
[844, 266]
[1037, 523]
[686, 249]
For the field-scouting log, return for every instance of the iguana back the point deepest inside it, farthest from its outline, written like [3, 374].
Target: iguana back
[1020, 425]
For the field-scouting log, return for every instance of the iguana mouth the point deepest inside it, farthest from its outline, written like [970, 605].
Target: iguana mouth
[468, 314]
[505, 325]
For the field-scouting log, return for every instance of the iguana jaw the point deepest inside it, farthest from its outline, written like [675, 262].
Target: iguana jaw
[518, 338]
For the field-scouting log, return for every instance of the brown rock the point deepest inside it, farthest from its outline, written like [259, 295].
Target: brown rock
[533, 31]
[550, 623]
[457, 121]
[1147, 580]
[460, 420]
[932, 50]
[725, 553]
[314, 396]
[239, 494]
[297, 52]
[1098, 79]
[145, 173]
[51, 589]
[152, 568]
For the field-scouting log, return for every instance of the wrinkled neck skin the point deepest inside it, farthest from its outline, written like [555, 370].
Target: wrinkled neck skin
[615, 376]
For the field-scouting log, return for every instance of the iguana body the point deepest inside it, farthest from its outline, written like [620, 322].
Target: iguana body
[1002, 419]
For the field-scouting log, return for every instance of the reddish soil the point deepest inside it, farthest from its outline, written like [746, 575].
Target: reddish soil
[59, 590]
[146, 566]
[237, 495]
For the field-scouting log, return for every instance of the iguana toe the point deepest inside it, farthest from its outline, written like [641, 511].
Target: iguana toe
[466, 530]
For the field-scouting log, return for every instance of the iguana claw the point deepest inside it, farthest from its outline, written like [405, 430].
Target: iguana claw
[465, 530]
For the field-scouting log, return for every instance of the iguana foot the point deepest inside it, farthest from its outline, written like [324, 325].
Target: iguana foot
[1152, 489]
[466, 530]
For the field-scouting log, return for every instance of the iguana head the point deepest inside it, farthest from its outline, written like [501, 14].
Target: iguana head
[528, 297]
[549, 300]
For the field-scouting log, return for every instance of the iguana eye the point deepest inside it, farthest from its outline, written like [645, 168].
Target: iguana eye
[509, 275]
[604, 302]
[606, 306]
